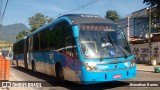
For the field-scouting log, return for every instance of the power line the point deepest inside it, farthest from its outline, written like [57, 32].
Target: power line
[1, 5]
[80, 7]
[2, 16]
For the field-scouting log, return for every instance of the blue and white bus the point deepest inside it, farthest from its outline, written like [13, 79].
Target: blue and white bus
[78, 47]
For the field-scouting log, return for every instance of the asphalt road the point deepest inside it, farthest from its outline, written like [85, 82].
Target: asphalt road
[20, 74]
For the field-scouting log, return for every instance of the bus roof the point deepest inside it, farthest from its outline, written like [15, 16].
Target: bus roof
[87, 18]
[19, 40]
[74, 19]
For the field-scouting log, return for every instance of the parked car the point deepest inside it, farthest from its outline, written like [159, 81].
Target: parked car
[10, 57]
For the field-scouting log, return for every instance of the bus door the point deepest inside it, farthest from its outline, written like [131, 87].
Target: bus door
[29, 55]
[49, 63]
[25, 53]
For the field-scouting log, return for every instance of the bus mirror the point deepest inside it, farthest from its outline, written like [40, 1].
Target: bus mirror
[75, 31]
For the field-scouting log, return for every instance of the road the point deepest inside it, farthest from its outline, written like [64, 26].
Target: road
[20, 74]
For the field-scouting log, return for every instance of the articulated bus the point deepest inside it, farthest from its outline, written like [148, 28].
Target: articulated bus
[78, 47]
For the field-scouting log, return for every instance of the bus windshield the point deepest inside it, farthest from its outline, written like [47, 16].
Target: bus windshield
[102, 41]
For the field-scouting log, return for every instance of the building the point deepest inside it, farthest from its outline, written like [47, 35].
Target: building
[136, 25]
[126, 24]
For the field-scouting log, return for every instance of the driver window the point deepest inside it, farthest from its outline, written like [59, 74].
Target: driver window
[89, 48]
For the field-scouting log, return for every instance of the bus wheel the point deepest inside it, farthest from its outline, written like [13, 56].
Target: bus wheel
[33, 67]
[59, 72]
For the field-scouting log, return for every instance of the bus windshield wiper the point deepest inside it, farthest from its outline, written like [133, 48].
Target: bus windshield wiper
[125, 55]
[114, 44]
[101, 58]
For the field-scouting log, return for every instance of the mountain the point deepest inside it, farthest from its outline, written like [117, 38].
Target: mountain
[9, 32]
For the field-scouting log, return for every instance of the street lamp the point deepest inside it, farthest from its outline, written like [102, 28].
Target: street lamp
[147, 35]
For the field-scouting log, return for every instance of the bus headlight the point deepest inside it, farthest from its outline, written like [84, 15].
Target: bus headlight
[132, 62]
[90, 66]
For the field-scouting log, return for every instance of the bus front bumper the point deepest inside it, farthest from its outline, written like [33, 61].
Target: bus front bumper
[91, 77]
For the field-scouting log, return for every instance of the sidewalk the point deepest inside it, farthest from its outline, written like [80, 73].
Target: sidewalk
[145, 67]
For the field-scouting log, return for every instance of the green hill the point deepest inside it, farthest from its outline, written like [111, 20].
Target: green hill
[9, 32]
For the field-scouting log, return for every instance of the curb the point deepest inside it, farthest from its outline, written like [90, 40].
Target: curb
[145, 70]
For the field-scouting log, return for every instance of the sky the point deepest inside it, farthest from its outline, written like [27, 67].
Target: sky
[18, 11]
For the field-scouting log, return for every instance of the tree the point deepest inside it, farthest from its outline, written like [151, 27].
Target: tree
[35, 22]
[155, 12]
[113, 15]
[152, 3]
[21, 35]
[38, 20]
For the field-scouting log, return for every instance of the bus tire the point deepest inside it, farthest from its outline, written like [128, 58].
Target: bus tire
[59, 72]
[33, 67]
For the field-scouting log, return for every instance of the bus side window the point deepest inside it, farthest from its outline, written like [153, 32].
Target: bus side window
[75, 53]
[36, 42]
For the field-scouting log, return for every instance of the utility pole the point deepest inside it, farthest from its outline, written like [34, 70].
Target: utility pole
[149, 40]
[128, 28]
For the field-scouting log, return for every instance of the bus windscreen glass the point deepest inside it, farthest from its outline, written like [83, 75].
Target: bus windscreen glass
[102, 41]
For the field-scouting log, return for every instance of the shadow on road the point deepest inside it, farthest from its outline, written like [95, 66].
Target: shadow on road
[50, 81]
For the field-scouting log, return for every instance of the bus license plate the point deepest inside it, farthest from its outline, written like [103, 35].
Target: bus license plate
[117, 76]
